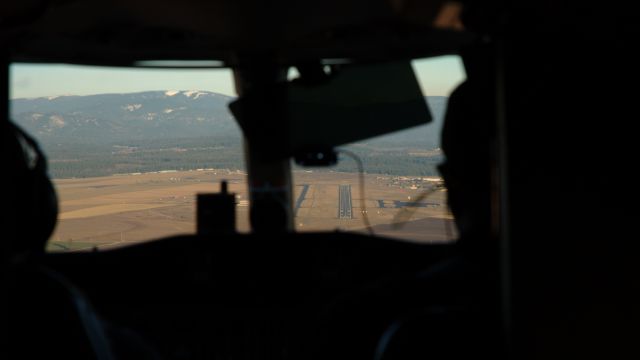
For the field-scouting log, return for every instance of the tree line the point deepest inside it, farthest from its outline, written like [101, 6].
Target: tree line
[78, 161]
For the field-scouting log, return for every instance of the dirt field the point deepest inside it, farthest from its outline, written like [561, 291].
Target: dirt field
[118, 210]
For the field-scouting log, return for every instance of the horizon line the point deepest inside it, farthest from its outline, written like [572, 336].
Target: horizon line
[119, 93]
[51, 97]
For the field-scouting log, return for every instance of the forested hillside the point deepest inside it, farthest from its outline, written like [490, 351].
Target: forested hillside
[99, 135]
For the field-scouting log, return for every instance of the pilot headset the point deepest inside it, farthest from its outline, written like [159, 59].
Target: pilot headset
[31, 206]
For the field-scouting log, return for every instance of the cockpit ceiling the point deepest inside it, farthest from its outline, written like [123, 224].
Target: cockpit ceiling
[120, 32]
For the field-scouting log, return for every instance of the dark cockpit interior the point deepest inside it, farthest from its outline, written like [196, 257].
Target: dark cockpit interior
[538, 161]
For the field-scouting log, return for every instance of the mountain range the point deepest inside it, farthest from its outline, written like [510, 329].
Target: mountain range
[149, 115]
[112, 118]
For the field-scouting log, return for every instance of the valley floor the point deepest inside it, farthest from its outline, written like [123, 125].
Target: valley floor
[112, 211]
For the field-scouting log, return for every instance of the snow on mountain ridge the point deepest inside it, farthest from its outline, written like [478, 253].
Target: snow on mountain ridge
[132, 107]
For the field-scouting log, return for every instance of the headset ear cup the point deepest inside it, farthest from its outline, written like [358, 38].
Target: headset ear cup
[32, 198]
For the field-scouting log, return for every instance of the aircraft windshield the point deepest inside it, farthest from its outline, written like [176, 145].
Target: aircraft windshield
[129, 149]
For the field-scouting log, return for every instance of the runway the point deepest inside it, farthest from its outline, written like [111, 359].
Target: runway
[345, 208]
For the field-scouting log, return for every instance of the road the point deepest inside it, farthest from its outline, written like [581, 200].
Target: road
[345, 208]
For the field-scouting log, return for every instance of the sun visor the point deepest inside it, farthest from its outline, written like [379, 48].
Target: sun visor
[354, 103]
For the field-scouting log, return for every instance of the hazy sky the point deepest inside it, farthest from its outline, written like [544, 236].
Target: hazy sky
[437, 76]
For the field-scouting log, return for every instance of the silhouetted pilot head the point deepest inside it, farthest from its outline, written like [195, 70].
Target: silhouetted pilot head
[29, 203]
